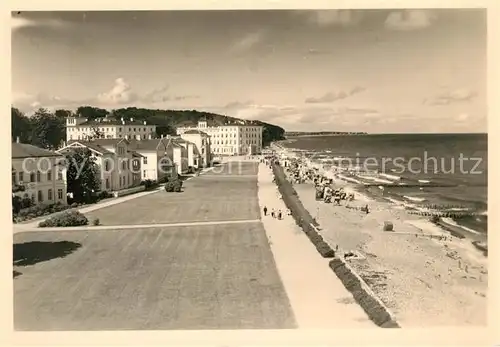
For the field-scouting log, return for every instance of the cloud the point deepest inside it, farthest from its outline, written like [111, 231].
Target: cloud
[157, 95]
[449, 97]
[120, 93]
[334, 96]
[326, 18]
[315, 51]
[247, 41]
[410, 19]
[17, 21]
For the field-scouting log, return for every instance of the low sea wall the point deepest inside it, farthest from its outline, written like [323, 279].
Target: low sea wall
[364, 296]
[300, 214]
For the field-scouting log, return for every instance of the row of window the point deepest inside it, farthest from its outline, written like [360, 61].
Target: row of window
[34, 177]
[229, 150]
[233, 142]
[108, 129]
[234, 135]
[40, 197]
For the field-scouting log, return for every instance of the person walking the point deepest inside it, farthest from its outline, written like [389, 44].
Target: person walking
[272, 213]
[279, 214]
[265, 210]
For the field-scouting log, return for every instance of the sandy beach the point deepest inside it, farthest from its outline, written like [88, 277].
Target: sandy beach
[425, 276]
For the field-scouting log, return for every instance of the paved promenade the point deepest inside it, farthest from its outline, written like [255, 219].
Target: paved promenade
[202, 261]
[318, 298]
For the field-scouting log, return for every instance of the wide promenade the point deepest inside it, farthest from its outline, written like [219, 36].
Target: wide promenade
[218, 275]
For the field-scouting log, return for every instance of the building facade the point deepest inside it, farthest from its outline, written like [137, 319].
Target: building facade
[202, 153]
[38, 174]
[230, 139]
[157, 162]
[119, 166]
[78, 128]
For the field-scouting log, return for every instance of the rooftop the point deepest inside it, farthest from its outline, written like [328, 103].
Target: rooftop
[24, 150]
[114, 121]
[195, 131]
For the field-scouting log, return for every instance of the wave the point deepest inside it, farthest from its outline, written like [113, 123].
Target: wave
[374, 179]
[413, 198]
[391, 177]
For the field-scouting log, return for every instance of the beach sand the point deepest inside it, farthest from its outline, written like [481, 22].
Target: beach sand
[425, 282]
[318, 298]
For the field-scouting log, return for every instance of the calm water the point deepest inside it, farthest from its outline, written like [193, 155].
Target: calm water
[456, 159]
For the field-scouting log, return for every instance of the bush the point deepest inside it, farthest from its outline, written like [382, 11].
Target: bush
[65, 219]
[149, 184]
[173, 186]
[96, 221]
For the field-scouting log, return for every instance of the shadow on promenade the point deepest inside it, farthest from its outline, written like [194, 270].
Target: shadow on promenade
[31, 253]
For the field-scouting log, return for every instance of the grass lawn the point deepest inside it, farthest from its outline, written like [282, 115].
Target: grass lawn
[235, 168]
[203, 277]
[203, 199]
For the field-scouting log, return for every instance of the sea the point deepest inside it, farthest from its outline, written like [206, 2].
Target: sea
[427, 170]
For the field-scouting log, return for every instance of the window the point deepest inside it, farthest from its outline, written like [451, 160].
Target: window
[144, 173]
[145, 160]
[106, 165]
[38, 176]
[32, 177]
[33, 200]
[40, 196]
[49, 195]
[14, 176]
[120, 129]
[60, 194]
[59, 175]
[21, 176]
[107, 183]
[49, 177]
[124, 165]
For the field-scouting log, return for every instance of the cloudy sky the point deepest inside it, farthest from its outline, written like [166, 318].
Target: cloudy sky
[345, 70]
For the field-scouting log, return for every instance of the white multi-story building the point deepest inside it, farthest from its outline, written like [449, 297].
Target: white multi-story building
[230, 139]
[78, 128]
[201, 152]
[119, 166]
[38, 174]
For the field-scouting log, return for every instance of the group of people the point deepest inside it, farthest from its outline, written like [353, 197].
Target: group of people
[275, 214]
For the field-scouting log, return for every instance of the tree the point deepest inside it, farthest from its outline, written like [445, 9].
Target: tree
[82, 174]
[91, 113]
[63, 114]
[96, 133]
[20, 126]
[48, 131]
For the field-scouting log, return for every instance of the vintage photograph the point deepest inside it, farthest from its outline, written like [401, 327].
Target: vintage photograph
[249, 169]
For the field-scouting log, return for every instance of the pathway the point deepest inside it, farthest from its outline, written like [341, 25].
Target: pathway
[317, 296]
[137, 226]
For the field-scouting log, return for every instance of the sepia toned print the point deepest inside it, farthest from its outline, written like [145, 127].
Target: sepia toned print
[271, 169]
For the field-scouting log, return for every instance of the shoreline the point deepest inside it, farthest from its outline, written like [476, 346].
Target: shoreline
[419, 271]
[446, 222]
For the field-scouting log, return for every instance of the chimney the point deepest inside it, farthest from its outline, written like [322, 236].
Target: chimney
[131, 119]
[144, 122]
[17, 139]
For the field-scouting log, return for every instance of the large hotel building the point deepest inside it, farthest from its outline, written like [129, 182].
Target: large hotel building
[230, 139]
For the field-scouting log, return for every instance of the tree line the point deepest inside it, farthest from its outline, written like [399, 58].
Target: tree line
[47, 129]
